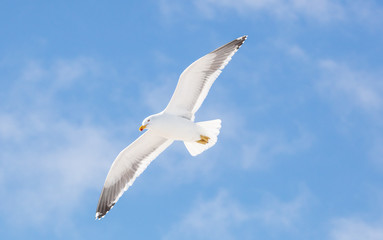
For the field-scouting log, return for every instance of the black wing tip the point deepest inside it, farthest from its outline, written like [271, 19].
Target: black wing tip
[235, 44]
[99, 215]
[240, 41]
[243, 38]
[102, 210]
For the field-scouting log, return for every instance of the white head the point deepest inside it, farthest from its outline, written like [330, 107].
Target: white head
[146, 123]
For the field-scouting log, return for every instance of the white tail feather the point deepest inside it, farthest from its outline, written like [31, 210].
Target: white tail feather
[211, 130]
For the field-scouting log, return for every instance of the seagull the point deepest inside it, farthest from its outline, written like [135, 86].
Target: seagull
[174, 123]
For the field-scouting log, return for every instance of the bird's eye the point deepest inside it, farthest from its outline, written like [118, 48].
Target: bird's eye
[148, 120]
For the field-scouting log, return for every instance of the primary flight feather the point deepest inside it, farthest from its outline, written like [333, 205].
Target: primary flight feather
[176, 122]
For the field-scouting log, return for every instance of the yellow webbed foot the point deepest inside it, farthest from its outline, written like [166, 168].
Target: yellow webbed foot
[203, 140]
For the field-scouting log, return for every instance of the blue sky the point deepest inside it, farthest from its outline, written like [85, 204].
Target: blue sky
[300, 154]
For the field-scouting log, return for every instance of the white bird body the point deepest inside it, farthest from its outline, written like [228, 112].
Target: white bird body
[175, 127]
[176, 122]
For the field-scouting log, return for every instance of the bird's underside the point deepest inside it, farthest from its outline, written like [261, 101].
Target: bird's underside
[176, 122]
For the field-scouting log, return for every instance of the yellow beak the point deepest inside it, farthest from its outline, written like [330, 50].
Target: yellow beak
[143, 127]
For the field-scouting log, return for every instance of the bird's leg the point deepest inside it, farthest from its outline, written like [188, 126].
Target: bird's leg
[203, 140]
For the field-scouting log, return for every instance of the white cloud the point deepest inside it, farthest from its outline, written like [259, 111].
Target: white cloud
[376, 152]
[211, 219]
[179, 167]
[283, 215]
[356, 229]
[61, 176]
[297, 52]
[321, 10]
[37, 87]
[9, 130]
[33, 71]
[262, 148]
[346, 85]
[60, 73]
[355, 92]
[367, 12]
[157, 96]
[50, 161]
[48, 173]
[170, 9]
[67, 71]
[219, 217]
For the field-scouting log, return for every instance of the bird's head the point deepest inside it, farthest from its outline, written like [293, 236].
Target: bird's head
[145, 123]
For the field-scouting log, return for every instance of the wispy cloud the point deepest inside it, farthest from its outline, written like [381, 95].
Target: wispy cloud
[282, 215]
[322, 10]
[356, 229]
[263, 148]
[319, 10]
[210, 219]
[352, 86]
[354, 93]
[376, 152]
[61, 72]
[220, 216]
[180, 167]
[50, 176]
[9, 129]
[296, 52]
[39, 84]
[367, 12]
[49, 160]
[157, 96]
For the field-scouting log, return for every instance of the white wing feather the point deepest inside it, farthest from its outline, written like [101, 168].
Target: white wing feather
[128, 165]
[196, 80]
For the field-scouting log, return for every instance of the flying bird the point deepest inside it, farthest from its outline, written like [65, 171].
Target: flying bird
[175, 122]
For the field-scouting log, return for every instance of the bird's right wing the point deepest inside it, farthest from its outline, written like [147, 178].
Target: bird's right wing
[129, 164]
[195, 81]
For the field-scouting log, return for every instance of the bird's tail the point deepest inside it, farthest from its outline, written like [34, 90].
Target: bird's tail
[208, 138]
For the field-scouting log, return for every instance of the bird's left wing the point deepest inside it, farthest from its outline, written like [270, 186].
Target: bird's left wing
[129, 164]
[196, 80]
